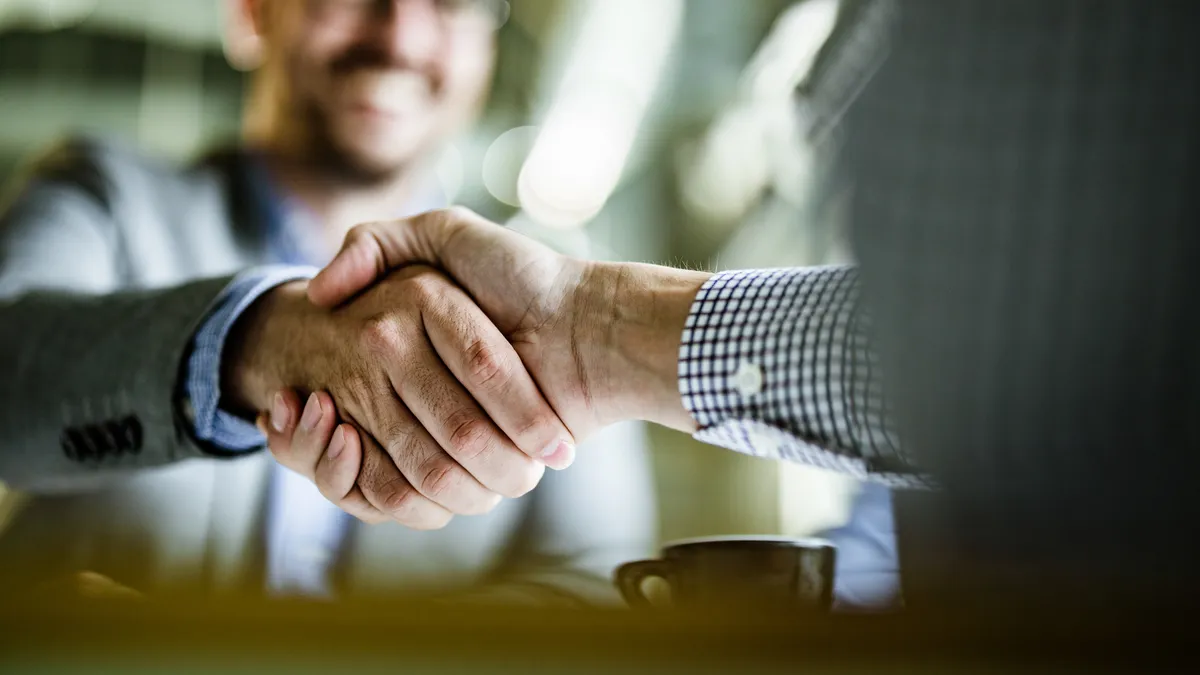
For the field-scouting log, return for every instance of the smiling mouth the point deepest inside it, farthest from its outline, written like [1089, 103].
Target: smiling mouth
[374, 111]
[388, 95]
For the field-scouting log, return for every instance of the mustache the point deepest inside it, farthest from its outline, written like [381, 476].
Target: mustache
[368, 59]
[364, 57]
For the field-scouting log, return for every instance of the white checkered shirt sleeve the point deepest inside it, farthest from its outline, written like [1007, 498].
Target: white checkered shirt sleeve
[776, 364]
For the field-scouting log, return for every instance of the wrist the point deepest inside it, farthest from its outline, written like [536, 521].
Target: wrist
[634, 368]
[257, 360]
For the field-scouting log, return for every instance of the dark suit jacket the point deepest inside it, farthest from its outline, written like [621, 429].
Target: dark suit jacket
[1025, 180]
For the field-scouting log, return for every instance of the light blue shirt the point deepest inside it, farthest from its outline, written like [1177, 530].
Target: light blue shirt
[305, 532]
[867, 574]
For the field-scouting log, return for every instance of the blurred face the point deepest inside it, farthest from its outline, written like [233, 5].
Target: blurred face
[373, 84]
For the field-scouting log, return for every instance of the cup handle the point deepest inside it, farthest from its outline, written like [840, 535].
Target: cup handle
[630, 576]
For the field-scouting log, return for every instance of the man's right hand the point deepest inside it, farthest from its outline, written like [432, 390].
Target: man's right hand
[449, 420]
[602, 340]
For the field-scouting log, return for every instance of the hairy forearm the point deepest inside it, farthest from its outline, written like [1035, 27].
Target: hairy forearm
[639, 313]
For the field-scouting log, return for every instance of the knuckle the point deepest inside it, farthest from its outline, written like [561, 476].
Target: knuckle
[458, 212]
[424, 286]
[470, 436]
[379, 334]
[535, 425]
[439, 478]
[398, 436]
[488, 367]
[358, 233]
[397, 497]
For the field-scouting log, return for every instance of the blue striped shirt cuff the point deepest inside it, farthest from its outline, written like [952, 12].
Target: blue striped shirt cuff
[212, 424]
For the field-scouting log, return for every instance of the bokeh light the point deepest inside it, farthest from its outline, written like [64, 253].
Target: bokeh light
[502, 163]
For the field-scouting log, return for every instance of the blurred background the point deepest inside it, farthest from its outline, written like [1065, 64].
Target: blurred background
[652, 130]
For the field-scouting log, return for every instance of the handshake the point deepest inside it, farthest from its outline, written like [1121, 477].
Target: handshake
[448, 361]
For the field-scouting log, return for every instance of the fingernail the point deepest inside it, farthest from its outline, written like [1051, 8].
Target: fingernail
[337, 443]
[550, 449]
[312, 413]
[559, 455]
[279, 414]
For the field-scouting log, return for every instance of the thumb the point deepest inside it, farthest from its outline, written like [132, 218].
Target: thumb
[372, 250]
[365, 257]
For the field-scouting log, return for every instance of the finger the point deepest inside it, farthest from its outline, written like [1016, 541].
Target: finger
[337, 473]
[337, 470]
[357, 505]
[309, 436]
[446, 414]
[285, 408]
[369, 252]
[385, 488]
[373, 249]
[330, 480]
[423, 462]
[482, 359]
[307, 446]
[279, 424]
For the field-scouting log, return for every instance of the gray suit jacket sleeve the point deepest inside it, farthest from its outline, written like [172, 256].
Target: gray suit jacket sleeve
[82, 358]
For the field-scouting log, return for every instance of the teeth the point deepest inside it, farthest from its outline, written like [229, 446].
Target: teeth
[394, 91]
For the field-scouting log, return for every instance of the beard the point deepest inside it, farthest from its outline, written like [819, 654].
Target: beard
[342, 161]
[334, 146]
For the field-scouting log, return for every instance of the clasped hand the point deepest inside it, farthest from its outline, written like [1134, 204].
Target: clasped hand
[447, 361]
[419, 407]
[439, 417]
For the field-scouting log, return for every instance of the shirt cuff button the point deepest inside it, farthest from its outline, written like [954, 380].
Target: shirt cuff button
[749, 380]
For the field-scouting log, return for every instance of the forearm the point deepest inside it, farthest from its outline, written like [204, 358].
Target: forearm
[773, 363]
[91, 381]
[643, 311]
